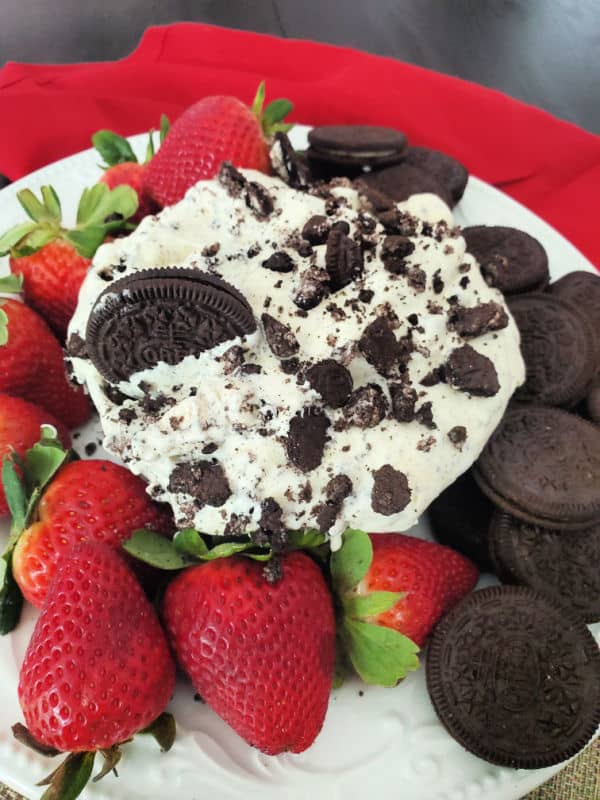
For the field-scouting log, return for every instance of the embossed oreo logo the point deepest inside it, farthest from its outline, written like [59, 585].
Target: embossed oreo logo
[162, 315]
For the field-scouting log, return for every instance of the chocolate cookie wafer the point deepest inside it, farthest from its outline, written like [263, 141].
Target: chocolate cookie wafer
[162, 315]
[460, 518]
[403, 180]
[511, 260]
[346, 149]
[563, 564]
[446, 170]
[582, 290]
[543, 466]
[557, 344]
[514, 676]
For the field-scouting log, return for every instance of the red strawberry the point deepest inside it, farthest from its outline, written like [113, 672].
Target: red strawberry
[213, 130]
[98, 668]
[122, 168]
[91, 500]
[20, 424]
[393, 589]
[432, 577]
[53, 260]
[261, 655]
[32, 365]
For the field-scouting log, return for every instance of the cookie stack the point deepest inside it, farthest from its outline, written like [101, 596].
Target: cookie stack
[513, 672]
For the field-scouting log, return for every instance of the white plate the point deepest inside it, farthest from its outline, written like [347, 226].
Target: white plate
[386, 743]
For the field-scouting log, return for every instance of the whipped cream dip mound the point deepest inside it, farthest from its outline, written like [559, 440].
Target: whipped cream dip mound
[359, 365]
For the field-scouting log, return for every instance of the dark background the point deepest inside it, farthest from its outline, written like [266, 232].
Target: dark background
[546, 52]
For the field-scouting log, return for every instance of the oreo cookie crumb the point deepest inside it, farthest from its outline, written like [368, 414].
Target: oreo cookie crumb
[366, 295]
[404, 400]
[90, 448]
[232, 359]
[458, 436]
[258, 200]
[280, 261]
[209, 448]
[475, 321]
[471, 372]
[279, 337]
[316, 229]
[271, 525]
[114, 395]
[379, 346]
[424, 415]
[76, 347]
[331, 380]
[312, 289]
[205, 481]
[391, 492]
[367, 406]
[437, 283]
[290, 366]
[127, 415]
[306, 438]
[343, 258]
[394, 251]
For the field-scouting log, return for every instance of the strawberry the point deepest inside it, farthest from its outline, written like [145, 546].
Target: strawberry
[32, 365]
[54, 260]
[213, 130]
[97, 669]
[93, 500]
[393, 589]
[261, 655]
[20, 424]
[122, 168]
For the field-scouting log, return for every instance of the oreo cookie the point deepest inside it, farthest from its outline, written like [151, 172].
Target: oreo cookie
[344, 150]
[403, 180]
[562, 564]
[543, 466]
[557, 344]
[592, 402]
[514, 677]
[511, 260]
[582, 290]
[162, 315]
[460, 517]
[446, 170]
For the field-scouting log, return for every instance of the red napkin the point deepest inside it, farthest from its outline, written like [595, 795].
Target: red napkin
[551, 166]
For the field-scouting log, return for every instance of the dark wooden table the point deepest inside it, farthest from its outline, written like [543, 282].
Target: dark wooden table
[546, 52]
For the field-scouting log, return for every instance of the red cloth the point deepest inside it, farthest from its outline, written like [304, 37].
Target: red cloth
[551, 166]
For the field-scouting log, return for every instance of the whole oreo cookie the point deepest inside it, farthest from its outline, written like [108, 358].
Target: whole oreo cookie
[543, 466]
[558, 563]
[592, 402]
[446, 170]
[582, 289]
[403, 180]
[511, 260]
[514, 677]
[162, 315]
[346, 149]
[460, 518]
[557, 344]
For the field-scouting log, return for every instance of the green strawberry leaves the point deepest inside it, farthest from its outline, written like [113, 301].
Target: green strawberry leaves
[113, 148]
[350, 563]
[156, 550]
[24, 480]
[101, 210]
[163, 730]
[116, 149]
[271, 118]
[380, 655]
[70, 778]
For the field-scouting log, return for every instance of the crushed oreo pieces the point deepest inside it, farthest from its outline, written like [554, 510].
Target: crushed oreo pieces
[367, 406]
[306, 438]
[331, 380]
[390, 493]
[471, 372]
[205, 481]
[279, 337]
